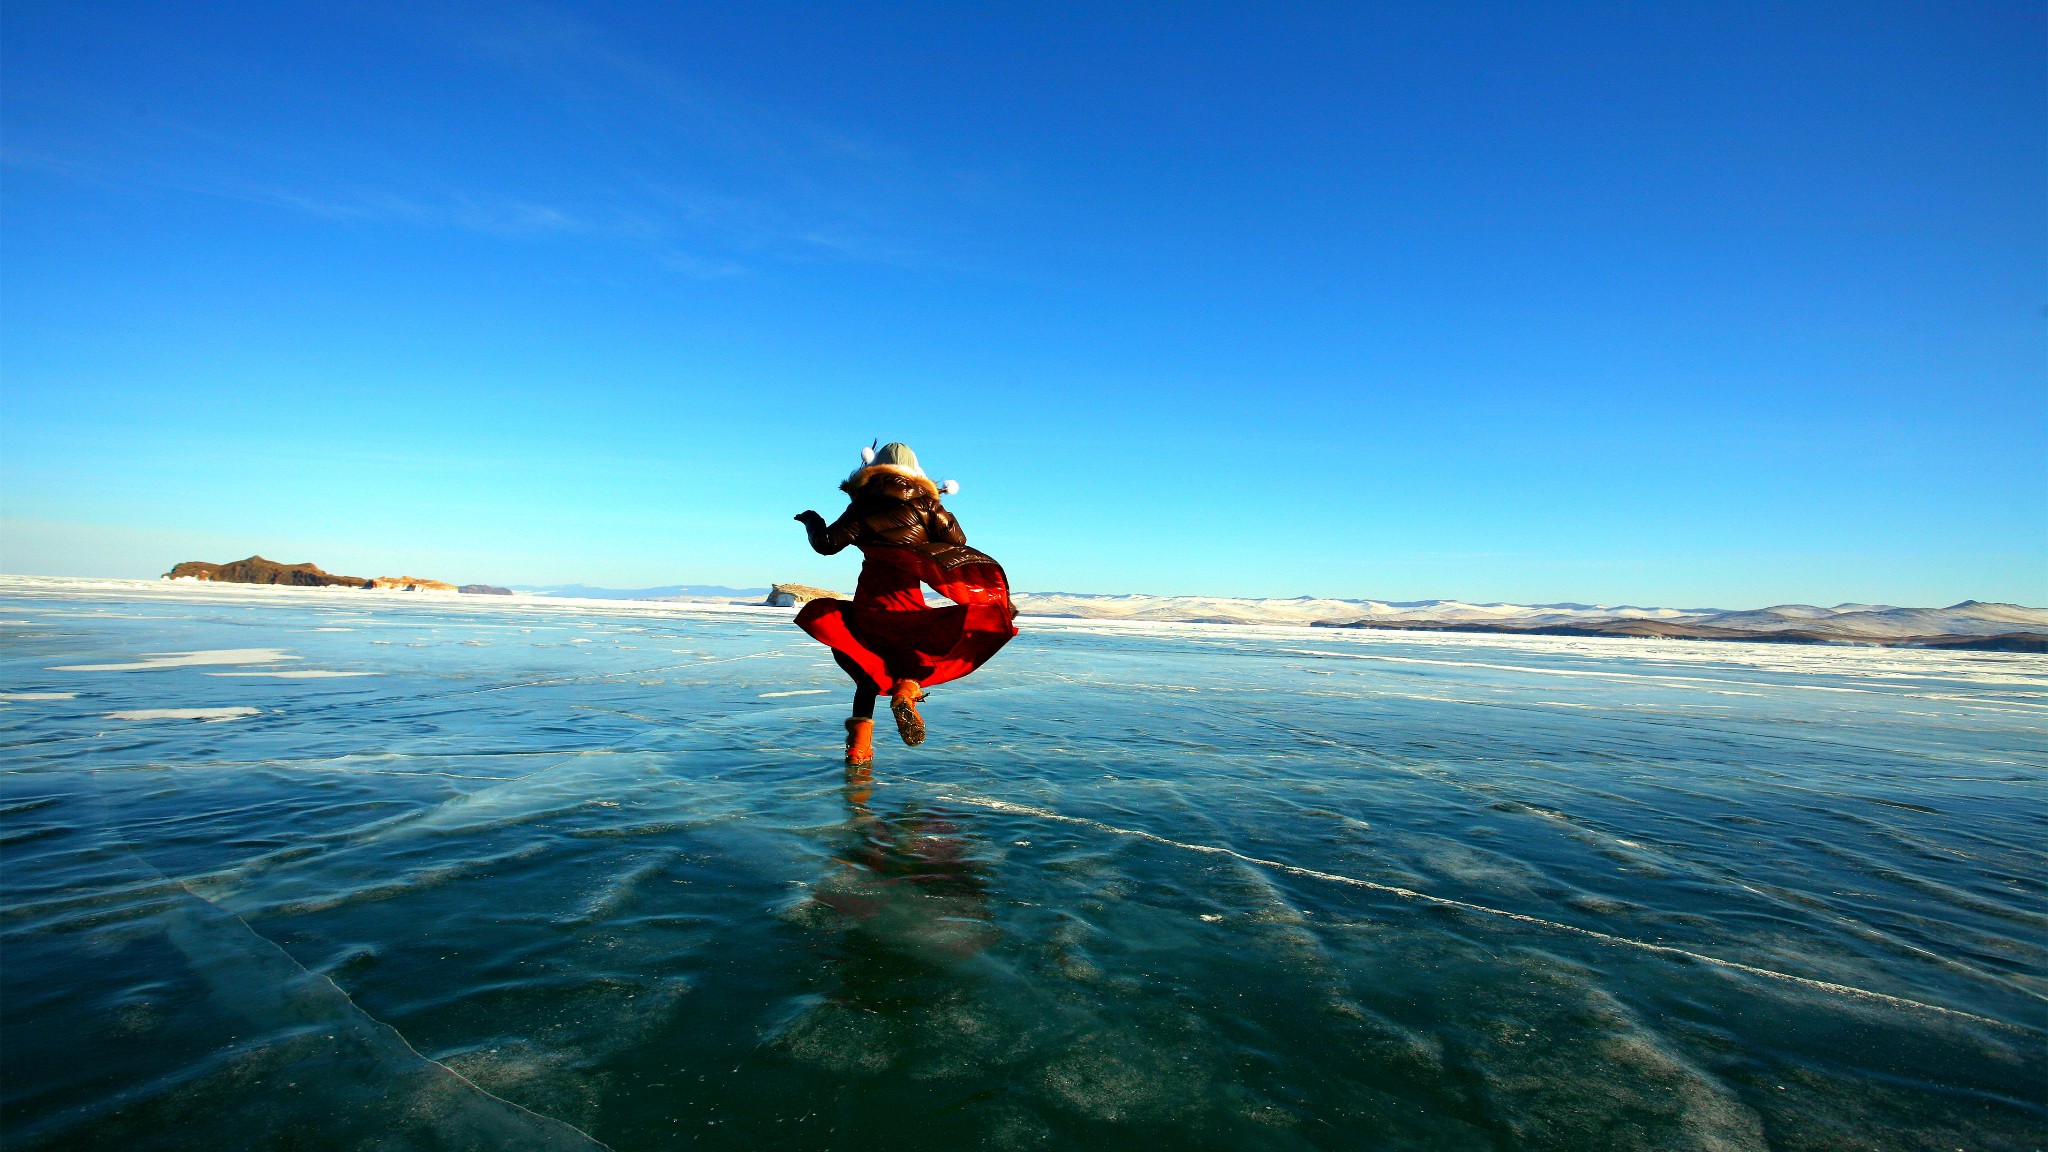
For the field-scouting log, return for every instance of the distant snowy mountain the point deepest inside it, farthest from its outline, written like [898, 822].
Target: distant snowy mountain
[1882, 622]
[1198, 609]
[1306, 610]
[665, 592]
[1969, 624]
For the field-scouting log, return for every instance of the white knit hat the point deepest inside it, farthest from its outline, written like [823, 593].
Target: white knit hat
[894, 454]
[898, 455]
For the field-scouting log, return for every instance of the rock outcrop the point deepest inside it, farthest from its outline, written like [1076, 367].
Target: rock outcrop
[484, 590]
[257, 570]
[792, 595]
[411, 584]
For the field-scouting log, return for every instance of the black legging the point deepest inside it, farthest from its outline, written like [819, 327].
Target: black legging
[864, 690]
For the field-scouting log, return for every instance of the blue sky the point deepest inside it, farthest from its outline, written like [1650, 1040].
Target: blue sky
[1677, 304]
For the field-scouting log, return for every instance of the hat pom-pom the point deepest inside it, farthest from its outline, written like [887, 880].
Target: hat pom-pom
[950, 487]
[867, 455]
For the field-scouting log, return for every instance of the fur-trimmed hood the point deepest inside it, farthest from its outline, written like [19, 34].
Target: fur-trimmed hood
[893, 506]
[863, 475]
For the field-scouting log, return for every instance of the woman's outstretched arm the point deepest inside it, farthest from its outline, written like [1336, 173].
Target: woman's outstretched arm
[830, 538]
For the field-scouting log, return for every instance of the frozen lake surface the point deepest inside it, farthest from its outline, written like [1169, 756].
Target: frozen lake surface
[332, 869]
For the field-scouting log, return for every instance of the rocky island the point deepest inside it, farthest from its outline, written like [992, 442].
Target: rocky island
[257, 570]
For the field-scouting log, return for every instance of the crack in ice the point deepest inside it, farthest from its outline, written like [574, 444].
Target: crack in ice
[1829, 986]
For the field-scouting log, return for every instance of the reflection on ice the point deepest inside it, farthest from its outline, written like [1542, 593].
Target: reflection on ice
[913, 882]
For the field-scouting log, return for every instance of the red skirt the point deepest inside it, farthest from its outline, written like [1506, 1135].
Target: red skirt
[893, 635]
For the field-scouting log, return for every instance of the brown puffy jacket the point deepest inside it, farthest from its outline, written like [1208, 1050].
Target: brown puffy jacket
[890, 507]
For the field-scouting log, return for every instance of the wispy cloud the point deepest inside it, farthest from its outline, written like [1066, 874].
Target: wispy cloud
[703, 183]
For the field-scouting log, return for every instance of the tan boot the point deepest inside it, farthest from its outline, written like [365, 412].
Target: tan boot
[903, 705]
[860, 742]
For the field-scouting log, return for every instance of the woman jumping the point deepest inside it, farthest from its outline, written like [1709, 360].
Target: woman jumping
[887, 638]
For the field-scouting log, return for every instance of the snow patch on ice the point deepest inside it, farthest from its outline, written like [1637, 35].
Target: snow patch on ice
[210, 715]
[298, 674]
[154, 660]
